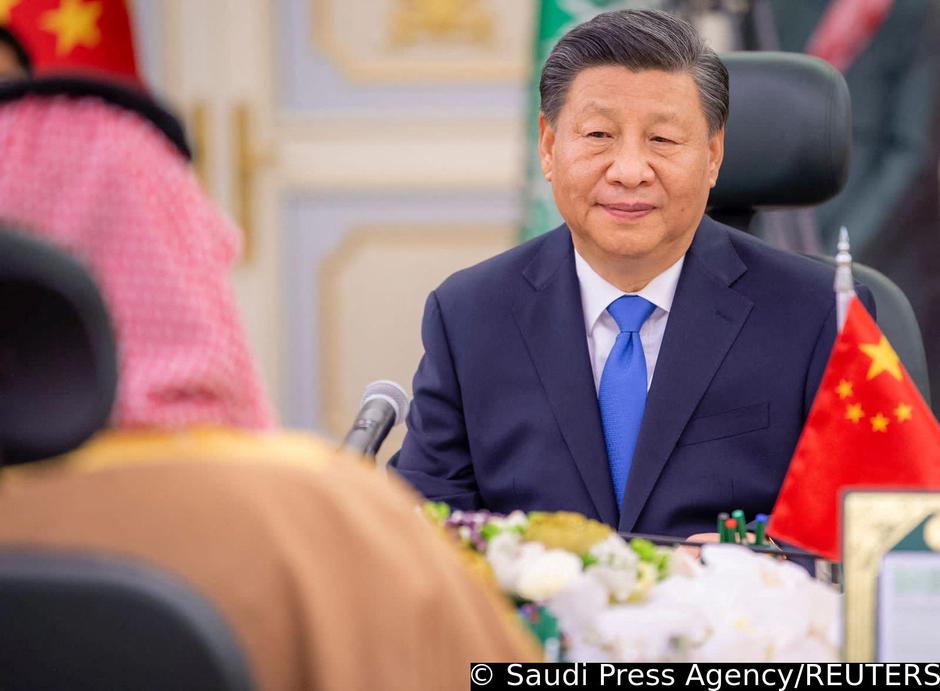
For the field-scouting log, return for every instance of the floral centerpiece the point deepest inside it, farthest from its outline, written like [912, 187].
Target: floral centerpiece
[589, 595]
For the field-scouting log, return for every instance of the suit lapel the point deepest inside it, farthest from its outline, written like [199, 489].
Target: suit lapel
[704, 322]
[549, 315]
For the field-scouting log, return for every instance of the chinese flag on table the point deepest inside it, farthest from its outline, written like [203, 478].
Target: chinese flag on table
[869, 427]
[70, 35]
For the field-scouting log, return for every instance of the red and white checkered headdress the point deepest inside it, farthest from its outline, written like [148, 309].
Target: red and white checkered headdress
[106, 185]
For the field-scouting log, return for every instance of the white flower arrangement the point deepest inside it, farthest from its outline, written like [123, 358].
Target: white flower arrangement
[615, 601]
[736, 607]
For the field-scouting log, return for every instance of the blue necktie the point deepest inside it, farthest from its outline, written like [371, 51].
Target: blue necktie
[622, 393]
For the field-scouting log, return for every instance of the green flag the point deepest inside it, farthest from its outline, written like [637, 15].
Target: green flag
[556, 18]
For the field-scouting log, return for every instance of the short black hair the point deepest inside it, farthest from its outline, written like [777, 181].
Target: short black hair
[9, 39]
[637, 40]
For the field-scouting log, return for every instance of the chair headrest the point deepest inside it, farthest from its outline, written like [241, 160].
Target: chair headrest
[58, 363]
[789, 132]
[131, 98]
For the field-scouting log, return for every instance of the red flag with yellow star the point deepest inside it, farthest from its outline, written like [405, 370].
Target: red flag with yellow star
[869, 427]
[70, 35]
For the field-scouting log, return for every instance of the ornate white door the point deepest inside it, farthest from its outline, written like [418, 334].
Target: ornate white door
[368, 148]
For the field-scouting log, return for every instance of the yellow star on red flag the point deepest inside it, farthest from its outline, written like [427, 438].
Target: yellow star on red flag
[844, 389]
[854, 412]
[74, 35]
[883, 359]
[879, 423]
[883, 436]
[75, 23]
[5, 7]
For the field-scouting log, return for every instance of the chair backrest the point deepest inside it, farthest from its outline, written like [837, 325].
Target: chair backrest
[788, 138]
[58, 366]
[74, 621]
[787, 145]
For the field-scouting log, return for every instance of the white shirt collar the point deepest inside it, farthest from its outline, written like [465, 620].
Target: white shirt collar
[597, 294]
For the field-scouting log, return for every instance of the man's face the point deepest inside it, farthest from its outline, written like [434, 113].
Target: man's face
[631, 161]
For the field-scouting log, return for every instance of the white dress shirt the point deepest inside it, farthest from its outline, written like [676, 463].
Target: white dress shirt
[602, 330]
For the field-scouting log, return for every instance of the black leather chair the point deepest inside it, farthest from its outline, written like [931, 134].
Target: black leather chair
[58, 365]
[787, 145]
[80, 622]
[73, 620]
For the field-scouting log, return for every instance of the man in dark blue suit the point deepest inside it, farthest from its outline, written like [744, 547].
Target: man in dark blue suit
[641, 364]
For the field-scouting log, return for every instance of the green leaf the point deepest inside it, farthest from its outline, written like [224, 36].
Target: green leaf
[437, 511]
[489, 531]
[644, 549]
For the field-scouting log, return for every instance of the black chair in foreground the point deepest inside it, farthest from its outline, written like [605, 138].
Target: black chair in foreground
[787, 145]
[79, 621]
[58, 365]
[75, 620]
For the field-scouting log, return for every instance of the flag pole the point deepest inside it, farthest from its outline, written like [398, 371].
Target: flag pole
[828, 571]
[843, 284]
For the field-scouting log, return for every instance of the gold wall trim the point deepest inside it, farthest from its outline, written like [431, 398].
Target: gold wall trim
[250, 160]
[402, 155]
[200, 140]
[383, 126]
[463, 234]
[401, 70]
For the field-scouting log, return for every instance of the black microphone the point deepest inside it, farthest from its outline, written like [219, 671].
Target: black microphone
[384, 405]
